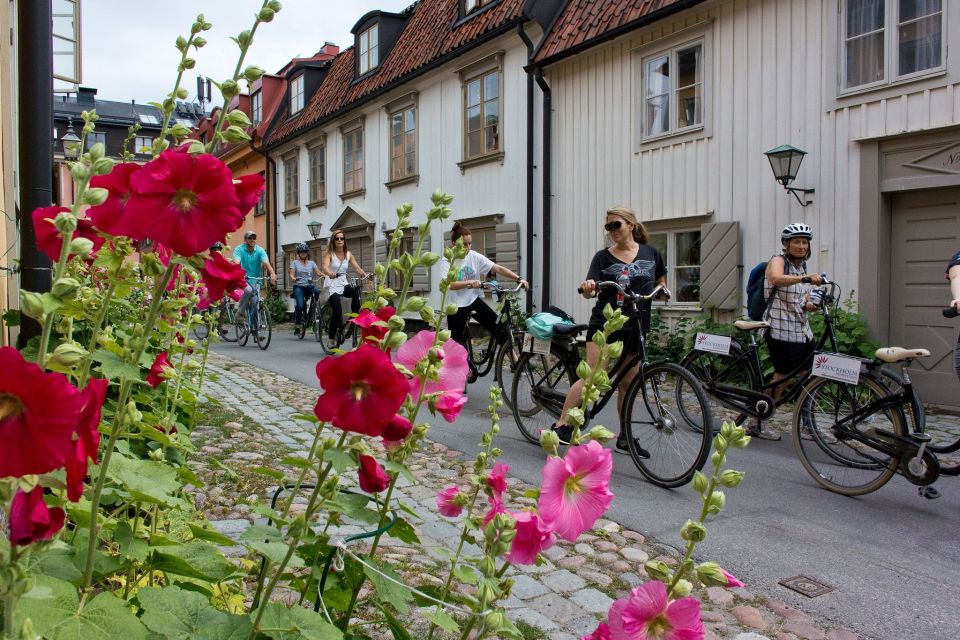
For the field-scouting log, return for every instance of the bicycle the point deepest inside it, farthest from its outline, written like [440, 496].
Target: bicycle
[346, 329]
[852, 438]
[310, 317]
[500, 349]
[256, 320]
[664, 412]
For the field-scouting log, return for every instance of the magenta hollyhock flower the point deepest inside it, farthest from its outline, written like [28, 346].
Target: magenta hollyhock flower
[373, 479]
[497, 478]
[496, 507]
[248, 189]
[532, 537]
[575, 489]
[602, 632]
[447, 502]
[160, 364]
[49, 239]
[362, 390]
[732, 580]
[110, 217]
[396, 430]
[220, 275]
[88, 437]
[39, 412]
[31, 520]
[366, 321]
[453, 368]
[647, 615]
[450, 403]
[187, 202]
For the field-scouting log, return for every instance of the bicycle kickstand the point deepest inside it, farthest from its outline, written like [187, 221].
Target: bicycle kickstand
[929, 492]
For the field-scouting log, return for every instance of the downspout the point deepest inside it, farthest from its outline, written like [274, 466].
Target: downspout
[547, 208]
[529, 70]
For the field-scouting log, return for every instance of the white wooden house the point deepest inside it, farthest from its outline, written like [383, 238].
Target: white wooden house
[668, 107]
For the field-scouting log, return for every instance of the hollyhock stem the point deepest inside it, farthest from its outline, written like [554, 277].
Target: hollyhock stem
[691, 544]
[118, 423]
[171, 99]
[10, 601]
[84, 373]
[303, 472]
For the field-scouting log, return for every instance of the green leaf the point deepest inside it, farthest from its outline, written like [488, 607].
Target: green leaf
[114, 367]
[389, 591]
[294, 461]
[54, 608]
[442, 619]
[397, 467]
[58, 562]
[270, 473]
[261, 533]
[210, 535]
[403, 530]
[396, 627]
[131, 547]
[308, 417]
[146, 480]
[465, 573]
[194, 559]
[275, 552]
[178, 614]
[340, 459]
[297, 623]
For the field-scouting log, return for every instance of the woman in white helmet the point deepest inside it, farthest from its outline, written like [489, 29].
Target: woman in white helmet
[787, 291]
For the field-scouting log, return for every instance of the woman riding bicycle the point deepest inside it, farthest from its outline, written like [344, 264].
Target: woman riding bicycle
[302, 272]
[336, 262]
[465, 292]
[630, 259]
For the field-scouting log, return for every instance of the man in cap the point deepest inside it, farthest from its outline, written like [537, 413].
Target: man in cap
[253, 259]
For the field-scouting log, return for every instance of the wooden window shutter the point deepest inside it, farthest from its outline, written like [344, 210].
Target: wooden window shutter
[508, 246]
[421, 275]
[720, 265]
[381, 251]
[280, 264]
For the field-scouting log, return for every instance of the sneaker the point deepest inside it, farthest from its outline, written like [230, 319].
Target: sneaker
[757, 432]
[563, 432]
[622, 443]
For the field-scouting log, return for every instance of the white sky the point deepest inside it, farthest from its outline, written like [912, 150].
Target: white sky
[129, 53]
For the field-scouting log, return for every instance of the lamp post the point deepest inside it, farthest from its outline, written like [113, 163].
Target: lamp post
[314, 228]
[785, 161]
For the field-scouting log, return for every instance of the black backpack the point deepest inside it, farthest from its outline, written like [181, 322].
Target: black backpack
[756, 303]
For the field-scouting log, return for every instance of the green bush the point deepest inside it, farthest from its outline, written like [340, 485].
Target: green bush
[853, 335]
[275, 301]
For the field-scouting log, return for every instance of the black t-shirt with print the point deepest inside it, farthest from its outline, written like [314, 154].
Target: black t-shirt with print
[954, 262]
[644, 270]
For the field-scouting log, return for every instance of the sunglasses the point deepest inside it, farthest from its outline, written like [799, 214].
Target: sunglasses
[613, 226]
[338, 238]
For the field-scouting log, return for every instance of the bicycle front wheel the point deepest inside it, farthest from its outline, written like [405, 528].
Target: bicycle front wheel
[324, 320]
[846, 458]
[264, 328]
[479, 345]
[539, 389]
[225, 325]
[665, 418]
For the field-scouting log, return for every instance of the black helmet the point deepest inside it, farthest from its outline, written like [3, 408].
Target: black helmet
[302, 247]
[216, 246]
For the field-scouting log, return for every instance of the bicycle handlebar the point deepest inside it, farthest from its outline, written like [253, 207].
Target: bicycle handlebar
[636, 297]
[950, 312]
[496, 288]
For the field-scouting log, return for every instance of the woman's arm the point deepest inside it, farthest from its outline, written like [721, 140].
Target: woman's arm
[502, 270]
[316, 270]
[954, 275]
[778, 278]
[326, 266]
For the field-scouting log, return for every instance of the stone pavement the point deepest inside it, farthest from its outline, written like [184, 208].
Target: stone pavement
[564, 598]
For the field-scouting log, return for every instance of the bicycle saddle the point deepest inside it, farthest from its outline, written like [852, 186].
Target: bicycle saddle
[896, 354]
[750, 325]
[561, 329]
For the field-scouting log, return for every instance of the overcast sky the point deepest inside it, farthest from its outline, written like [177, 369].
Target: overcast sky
[128, 45]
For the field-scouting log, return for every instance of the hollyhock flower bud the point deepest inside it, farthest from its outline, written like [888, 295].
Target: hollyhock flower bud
[415, 303]
[102, 166]
[549, 441]
[658, 570]
[731, 479]
[429, 258]
[80, 172]
[275, 5]
[65, 222]
[235, 134]
[94, 196]
[444, 337]
[188, 63]
[682, 588]
[394, 322]
[397, 429]
[450, 502]
[180, 131]
[238, 118]
[68, 354]
[700, 482]
[427, 314]
[97, 151]
[65, 288]
[451, 309]
[693, 531]
[199, 43]
[253, 73]
[716, 502]
[31, 304]
[494, 620]
[31, 520]
[615, 350]
[244, 38]
[373, 479]
[181, 43]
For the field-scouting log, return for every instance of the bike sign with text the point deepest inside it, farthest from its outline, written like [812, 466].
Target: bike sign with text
[836, 367]
[712, 343]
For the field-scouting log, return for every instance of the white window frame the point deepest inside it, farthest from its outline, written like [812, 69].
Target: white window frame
[291, 182]
[891, 49]
[296, 95]
[368, 50]
[703, 41]
[256, 107]
[142, 145]
[670, 261]
[470, 6]
[317, 174]
[359, 181]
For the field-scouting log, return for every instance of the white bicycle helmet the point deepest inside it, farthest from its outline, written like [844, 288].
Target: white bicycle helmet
[796, 230]
[302, 247]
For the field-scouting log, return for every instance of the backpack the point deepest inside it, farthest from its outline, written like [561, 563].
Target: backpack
[756, 304]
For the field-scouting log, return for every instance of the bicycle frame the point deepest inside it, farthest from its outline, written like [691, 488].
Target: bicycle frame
[501, 333]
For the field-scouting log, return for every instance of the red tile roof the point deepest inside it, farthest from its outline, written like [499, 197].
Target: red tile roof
[584, 23]
[429, 35]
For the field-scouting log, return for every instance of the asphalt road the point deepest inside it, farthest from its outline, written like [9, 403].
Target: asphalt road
[892, 557]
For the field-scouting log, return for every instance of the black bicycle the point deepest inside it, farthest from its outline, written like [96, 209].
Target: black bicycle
[310, 318]
[665, 414]
[345, 329]
[500, 349]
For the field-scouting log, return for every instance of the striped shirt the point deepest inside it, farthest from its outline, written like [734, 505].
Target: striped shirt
[786, 313]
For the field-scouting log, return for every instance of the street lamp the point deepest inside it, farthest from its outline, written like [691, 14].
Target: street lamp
[785, 161]
[71, 143]
[314, 228]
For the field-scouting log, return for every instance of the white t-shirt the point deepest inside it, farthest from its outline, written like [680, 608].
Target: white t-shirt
[474, 266]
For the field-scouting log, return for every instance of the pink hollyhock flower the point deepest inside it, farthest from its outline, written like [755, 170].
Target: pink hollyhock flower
[248, 190]
[186, 202]
[373, 479]
[397, 430]
[220, 275]
[39, 412]
[575, 489]
[362, 390]
[366, 321]
[732, 580]
[602, 632]
[160, 364]
[88, 437]
[453, 368]
[497, 478]
[49, 239]
[646, 614]
[532, 537]
[31, 520]
[450, 403]
[110, 217]
[496, 507]
[447, 502]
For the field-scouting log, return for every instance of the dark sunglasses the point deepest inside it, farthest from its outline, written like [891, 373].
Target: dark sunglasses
[338, 238]
[613, 226]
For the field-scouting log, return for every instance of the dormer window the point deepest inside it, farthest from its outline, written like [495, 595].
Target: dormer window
[296, 94]
[256, 108]
[470, 6]
[367, 49]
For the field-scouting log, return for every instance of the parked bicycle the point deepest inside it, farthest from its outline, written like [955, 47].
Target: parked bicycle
[345, 330]
[665, 414]
[256, 321]
[498, 350]
[852, 438]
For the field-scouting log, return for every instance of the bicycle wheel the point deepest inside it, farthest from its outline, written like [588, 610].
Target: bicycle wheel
[845, 459]
[713, 369]
[323, 330]
[201, 330]
[225, 324]
[242, 328]
[479, 346]
[663, 442]
[264, 328]
[539, 389]
[505, 364]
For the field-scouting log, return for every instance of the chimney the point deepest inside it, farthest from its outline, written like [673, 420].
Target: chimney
[329, 49]
[86, 96]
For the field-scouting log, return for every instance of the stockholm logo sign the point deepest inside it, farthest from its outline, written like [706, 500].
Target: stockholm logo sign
[712, 343]
[836, 367]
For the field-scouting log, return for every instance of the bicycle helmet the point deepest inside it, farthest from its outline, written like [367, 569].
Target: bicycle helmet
[216, 246]
[303, 248]
[796, 230]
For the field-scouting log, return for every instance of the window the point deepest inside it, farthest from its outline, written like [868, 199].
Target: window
[353, 160]
[261, 208]
[94, 137]
[482, 115]
[296, 94]
[403, 143]
[681, 254]
[673, 90]
[291, 183]
[318, 173]
[148, 118]
[367, 46]
[886, 40]
[256, 108]
[143, 145]
[472, 5]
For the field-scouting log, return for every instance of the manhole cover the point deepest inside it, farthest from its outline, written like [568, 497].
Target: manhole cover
[807, 586]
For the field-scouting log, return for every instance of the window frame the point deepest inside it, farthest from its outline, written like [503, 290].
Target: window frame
[94, 137]
[371, 38]
[317, 150]
[260, 209]
[137, 146]
[477, 72]
[347, 131]
[256, 107]
[296, 94]
[470, 7]
[400, 107]
[670, 49]
[291, 183]
[670, 261]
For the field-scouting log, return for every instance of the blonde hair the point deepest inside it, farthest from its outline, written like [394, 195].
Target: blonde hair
[332, 246]
[639, 231]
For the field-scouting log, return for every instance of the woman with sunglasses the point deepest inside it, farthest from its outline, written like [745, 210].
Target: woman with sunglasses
[336, 262]
[630, 259]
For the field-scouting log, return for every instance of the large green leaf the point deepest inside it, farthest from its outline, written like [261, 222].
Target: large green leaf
[396, 627]
[194, 559]
[58, 562]
[340, 460]
[296, 623]
[389, 591]
[275, 552]
[130, 546]
[114, 367]
[210, 535]
[179, 614]
[442, 619]
[146, 480]
[403, 530]
[54, 608]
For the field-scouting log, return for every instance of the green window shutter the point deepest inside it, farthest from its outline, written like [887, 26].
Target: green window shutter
[508, 246]
[720, 265]
[421, 275]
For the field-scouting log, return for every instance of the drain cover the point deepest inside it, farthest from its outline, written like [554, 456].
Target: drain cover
[807, 586]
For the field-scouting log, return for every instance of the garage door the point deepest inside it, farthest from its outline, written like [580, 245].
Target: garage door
[925, 234]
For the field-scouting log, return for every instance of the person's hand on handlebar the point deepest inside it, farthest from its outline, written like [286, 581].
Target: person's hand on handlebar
[816, 278]
[588, 288]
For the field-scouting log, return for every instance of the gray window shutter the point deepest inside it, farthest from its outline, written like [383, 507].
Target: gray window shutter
[720, 265]
[508, 246]
[381, 251]
[368, 255]
[280, 265]
[421, 275]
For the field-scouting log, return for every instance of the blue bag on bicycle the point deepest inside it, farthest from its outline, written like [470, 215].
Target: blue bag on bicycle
[540, 325]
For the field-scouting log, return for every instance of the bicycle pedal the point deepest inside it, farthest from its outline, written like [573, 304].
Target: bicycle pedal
[930, 493]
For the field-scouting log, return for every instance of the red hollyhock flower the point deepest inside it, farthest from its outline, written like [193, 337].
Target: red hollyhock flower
[160, 363]
[249, 188]
[373, 479]
[221, 275]
[362, 390]
[397, 429]
[48, 238]
[38, 416]
[31, 520]
[110, 217]
[88, 437]
[184, 201]
[366, 321]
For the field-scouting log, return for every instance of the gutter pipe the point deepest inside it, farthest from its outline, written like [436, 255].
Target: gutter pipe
[530, 166]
